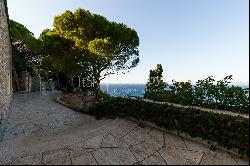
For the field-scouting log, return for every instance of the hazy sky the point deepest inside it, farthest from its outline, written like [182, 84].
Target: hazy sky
[192, 39]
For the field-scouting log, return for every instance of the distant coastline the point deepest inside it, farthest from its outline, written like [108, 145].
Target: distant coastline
[123, 89]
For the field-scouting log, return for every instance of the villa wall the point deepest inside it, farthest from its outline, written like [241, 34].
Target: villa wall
[5, 64]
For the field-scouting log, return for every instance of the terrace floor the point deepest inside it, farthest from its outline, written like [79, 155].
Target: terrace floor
[41, 131]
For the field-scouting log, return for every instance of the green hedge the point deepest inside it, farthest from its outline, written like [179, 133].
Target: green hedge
[228, 131]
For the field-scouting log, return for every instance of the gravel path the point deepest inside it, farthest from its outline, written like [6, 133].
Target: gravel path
[38, 115]
[41, 131]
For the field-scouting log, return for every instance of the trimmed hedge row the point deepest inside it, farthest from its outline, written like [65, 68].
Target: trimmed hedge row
[228, 131]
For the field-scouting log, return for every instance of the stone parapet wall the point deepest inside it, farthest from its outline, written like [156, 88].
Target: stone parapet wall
[5, 63]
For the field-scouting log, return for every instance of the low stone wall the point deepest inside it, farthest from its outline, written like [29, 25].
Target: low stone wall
[5, 65]
[244, 115]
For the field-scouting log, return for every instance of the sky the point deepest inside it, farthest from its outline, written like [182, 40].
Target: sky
[192, 39]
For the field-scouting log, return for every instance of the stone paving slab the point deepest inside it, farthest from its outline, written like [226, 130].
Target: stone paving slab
[154, 159]
[109, 141]
[114, 156]
[40, 131]
[159, 135]
[218, 158]
[174, 141]
[28, 160]
[81, 156]
[56, 157]
[94, 142]
[147, 147]
[242, 161]
[135, 136]
[122, 129]
[172, 157]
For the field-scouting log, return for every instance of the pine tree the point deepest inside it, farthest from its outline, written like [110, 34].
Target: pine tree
[155, 88]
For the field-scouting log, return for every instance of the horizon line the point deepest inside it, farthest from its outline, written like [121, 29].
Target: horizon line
[233, 83]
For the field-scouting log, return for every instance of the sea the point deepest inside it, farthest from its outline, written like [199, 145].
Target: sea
[130, 89]
[124, 89]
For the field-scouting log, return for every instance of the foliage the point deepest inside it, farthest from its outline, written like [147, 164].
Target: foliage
[59, 55]
[35, 85]
[228, 131]
[106, 47]
[204, 88]
[20, 58]
[206, 93]
[181, 92]
[68, 89]
[20, 33]
[24, 47]
[155, 85]
[221, 95]
[103, 95]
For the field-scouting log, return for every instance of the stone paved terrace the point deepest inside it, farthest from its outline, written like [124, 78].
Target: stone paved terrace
[41, 131]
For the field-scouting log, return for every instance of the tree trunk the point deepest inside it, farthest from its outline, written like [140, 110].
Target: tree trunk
[97, 80]
[49, 83]
[97, 87]
[72, 82]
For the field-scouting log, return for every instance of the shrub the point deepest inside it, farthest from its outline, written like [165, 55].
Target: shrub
[206, 93]
[103, 95]
[68, 89]
[228, 131]
[181, 92]
[155, 85]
